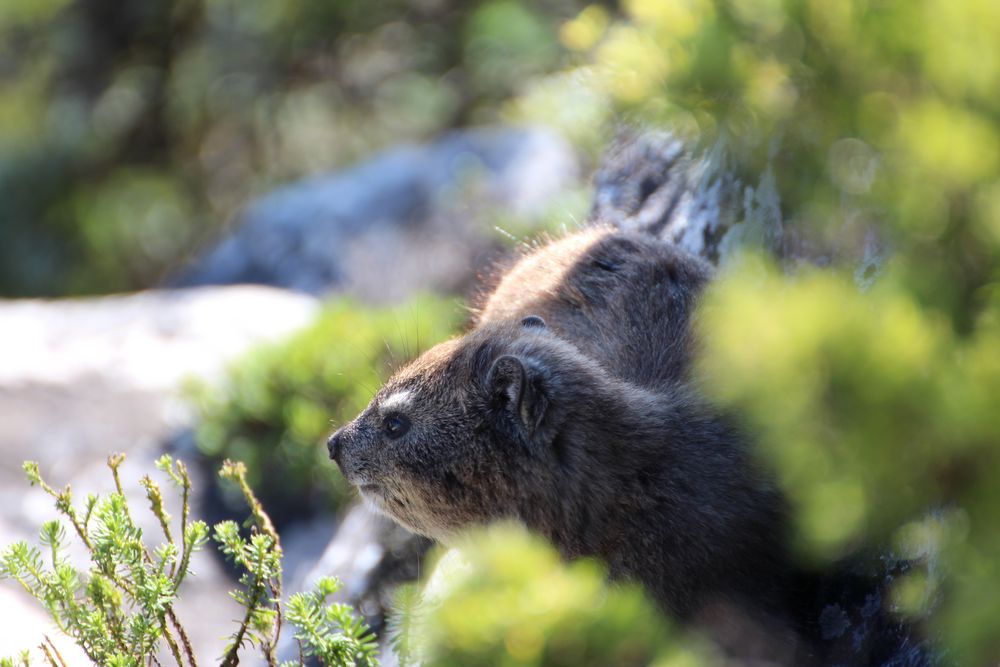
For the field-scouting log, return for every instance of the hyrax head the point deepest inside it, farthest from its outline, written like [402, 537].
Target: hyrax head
[445, 442]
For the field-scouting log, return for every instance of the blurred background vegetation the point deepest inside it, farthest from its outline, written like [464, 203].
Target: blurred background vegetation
[132, 132]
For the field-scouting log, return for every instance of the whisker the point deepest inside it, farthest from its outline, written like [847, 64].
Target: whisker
[505, 233]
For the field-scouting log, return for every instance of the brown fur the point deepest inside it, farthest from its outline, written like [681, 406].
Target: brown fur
[622, 299]
[583, 428]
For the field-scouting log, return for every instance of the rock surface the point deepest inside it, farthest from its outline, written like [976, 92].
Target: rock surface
[657, 183]
[147, 341]
[653, 182]
[398, 223]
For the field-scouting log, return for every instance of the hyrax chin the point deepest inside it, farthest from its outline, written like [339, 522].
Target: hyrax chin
[566, 407]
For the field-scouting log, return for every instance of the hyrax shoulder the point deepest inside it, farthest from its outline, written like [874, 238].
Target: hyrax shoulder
[566, 407]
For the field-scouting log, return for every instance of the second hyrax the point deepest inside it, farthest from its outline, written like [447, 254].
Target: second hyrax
[566, 407]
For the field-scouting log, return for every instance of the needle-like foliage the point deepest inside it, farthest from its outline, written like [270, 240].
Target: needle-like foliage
[120, 611]
[332, 633]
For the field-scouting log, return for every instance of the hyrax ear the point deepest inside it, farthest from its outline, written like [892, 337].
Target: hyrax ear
[516, 388]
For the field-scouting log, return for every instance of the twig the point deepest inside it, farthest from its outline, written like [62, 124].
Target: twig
[232, 658]
[172, 643]
[181, 477]
[186, 491]
[63, 500]
[48, 655]
[114, 461]
[55, 651]
[185, 642]
[155, 497]
[236, 471]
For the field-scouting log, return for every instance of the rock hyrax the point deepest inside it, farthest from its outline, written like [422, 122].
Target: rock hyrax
[566, 407]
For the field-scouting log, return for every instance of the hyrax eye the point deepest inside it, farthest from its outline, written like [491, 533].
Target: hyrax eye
[395, 426]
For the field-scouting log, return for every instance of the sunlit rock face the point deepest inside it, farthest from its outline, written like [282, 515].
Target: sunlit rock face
[413, 218]
[654, 183]
[148, 341]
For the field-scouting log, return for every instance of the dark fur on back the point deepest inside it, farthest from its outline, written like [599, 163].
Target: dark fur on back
[623, 299]
[567, 407]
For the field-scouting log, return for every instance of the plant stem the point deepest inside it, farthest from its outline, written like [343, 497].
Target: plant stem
[232, 658]
[185, 642]
[55, 651]
[48, 655]
[172, 643]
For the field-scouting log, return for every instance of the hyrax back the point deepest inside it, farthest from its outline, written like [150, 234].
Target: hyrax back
[622, 299]
[566, 407]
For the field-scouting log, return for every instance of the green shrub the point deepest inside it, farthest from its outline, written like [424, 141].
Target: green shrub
[121, 611]
[277, 404]
[874, 411]
[505, 597]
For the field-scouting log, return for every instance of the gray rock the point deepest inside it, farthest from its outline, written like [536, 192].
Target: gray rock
[655, 182]
[148, 341]
[396, 223]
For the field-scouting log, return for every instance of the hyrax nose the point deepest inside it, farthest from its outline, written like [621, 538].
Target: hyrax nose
[335, 445]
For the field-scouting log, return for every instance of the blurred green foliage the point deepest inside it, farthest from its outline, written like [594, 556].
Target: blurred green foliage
[275, 407]
[869, 115]
[878, 409]
[504, 597]
[131, 132]
[874, 410]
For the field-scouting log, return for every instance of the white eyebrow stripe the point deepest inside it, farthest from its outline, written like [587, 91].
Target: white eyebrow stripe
[397, 402]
